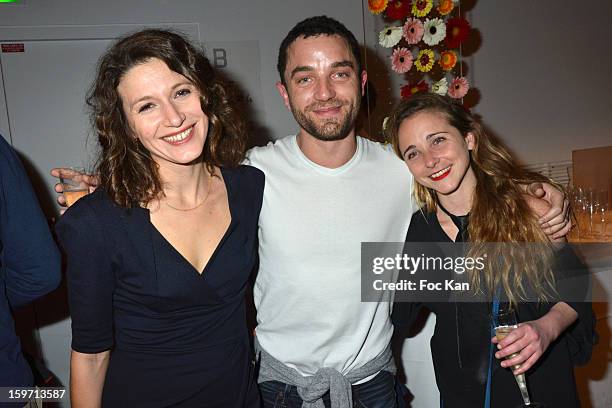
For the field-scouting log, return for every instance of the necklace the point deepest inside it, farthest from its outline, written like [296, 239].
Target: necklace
[197, 205]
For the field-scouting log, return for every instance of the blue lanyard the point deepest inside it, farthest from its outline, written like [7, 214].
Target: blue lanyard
[495, 311]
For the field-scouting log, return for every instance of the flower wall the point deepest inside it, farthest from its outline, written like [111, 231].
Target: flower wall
[424, 39]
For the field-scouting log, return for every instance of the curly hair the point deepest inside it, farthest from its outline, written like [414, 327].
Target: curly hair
[499, 212]
[127, 171]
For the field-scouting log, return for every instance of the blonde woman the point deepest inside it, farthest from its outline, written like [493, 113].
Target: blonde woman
[470, 190]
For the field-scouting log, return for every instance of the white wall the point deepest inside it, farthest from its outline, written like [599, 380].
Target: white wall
[265, 21]
[544, 74]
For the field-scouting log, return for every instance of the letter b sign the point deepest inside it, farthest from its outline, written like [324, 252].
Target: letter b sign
[219, 57]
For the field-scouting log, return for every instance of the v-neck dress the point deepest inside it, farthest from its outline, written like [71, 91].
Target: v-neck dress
[178, 338]
[462, 337]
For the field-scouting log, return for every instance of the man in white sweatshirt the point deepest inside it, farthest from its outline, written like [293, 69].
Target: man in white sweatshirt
[327, 190]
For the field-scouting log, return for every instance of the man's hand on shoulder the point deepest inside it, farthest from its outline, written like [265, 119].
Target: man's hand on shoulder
[551, 206]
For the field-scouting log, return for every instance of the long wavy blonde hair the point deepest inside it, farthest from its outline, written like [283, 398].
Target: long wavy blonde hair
[499, 212]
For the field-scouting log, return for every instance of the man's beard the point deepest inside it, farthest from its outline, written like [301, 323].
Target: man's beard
[329, 130]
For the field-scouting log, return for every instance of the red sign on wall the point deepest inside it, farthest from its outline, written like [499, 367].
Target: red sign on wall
[13, 47]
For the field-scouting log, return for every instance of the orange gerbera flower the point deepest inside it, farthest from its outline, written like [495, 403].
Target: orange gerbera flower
[445, 7]
[448, 59]
[377, 6]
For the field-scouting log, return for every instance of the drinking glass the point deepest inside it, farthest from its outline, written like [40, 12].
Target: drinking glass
[575, 197]
[593, 207]
[578, 198]
[504, 322]
[604, 201]
[72, 184]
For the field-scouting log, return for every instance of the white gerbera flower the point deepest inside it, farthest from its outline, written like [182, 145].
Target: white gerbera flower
[435, 31]
[390, 36]
[440, 87]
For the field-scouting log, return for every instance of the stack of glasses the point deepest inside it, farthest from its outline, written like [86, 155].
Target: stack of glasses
[591, 215]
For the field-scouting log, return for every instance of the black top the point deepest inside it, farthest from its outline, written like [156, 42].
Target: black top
[461, 342]
[178, 338]
[29, 262]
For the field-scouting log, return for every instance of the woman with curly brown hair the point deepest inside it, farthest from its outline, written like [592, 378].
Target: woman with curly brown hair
[159, 256]
[469, 188]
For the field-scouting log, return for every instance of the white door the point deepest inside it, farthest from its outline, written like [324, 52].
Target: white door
[45, 87]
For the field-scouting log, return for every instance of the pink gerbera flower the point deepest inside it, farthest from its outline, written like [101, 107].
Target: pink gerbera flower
[401, 60]
[458, 88]
[413, 30]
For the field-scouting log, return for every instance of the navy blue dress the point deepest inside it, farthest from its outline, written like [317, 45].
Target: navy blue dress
[177, 338]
